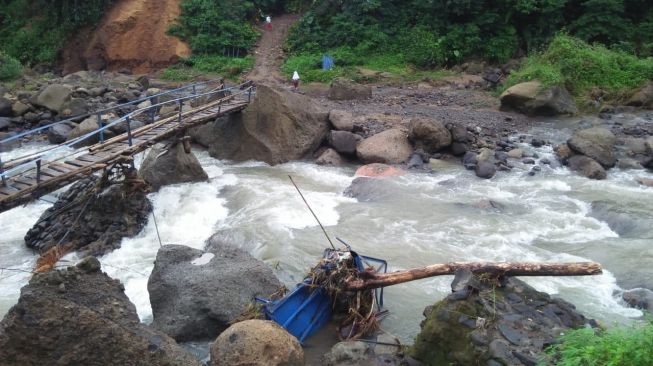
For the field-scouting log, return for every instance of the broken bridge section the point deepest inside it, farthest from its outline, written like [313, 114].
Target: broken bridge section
[34, 175]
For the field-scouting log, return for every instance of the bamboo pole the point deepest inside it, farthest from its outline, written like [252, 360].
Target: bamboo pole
[368, 280]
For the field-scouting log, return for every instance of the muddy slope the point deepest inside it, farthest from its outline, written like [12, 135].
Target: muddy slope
[130, 36]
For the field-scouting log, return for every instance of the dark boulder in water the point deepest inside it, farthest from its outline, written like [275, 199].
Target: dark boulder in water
[108, 213]
[492, 322]
[196, 295]
[80, 316]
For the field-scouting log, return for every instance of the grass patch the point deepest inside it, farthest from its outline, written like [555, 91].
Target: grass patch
[359, 66]
[581, 67]
[631, 346]
[10, 68]
[228, 67]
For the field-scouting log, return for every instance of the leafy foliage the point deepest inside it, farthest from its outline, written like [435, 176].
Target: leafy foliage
[33, 31]
[445, 32]
[10, 68]
[580, 66]
[615, 347]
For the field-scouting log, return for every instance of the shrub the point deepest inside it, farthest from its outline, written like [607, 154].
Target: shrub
[10, 68]
[615, 347]
[580, 66]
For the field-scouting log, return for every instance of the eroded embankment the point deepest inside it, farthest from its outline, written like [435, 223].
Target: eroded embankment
[132, 35]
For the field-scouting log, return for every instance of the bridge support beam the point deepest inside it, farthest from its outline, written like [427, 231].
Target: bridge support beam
[100, 126]
[129, 131]
[4, 179]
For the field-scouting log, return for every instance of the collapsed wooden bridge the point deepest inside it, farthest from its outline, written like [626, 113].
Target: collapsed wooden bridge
[32, 176]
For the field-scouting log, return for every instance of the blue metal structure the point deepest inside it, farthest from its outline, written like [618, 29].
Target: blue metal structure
[327, 62]
[307, 308]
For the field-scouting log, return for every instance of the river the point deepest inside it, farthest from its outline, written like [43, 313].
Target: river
[414, 220]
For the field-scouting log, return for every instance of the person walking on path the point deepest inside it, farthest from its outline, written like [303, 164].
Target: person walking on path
[295, 79]
[268, 22]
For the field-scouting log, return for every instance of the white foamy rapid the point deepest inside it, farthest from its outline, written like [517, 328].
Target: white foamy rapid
[416, 220]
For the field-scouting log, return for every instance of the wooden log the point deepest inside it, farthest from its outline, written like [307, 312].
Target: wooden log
[369, 280]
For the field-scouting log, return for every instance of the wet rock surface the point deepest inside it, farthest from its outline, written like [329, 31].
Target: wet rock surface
[168, 163]
[80, 316]
[195, 294]
[278, 126]
[531, 98]
[493, 322]
[108, 213]
[388, 147]
[256, 343]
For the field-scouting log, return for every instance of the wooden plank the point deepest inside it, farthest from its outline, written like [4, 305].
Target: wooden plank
[50, 172]
[58, 167]
[76, 163]
[24, 181]
[89, 158]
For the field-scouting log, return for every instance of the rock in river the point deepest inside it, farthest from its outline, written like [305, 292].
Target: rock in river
[167, 164]
[492, 322]
[112, 212]
[195, 295]
[80, 316]
[256, 343]
[278, 126]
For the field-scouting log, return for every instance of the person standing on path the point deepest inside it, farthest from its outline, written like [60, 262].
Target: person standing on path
[268, 22]
[295, 79]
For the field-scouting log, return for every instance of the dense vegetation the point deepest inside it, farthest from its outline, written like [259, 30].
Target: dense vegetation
[10, 68]
[615, 347]
[582, 68]
[444, 32]
[34, 31]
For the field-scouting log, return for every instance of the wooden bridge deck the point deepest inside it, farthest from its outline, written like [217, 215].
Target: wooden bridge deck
[59, 172]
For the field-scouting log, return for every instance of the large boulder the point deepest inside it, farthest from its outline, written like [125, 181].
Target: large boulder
[74, 107]
[343, 89]
[344, 142]
[196, 295]
[643, 97]
[58, 134]
[53, 97]
[388, 147]
[492, 322]
[341, 120]
[587, 167]
[531, 98]
[167, 164]
[5, 122]
[429, 134]
[85, 127]
[640, 298]
[277, 126]
[256, 343]
[596, 143]
[5, 107]
[80, 316]
[108, 214]
[367, 189]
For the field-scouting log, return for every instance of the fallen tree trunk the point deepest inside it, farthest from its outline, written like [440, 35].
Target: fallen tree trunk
[369, 280]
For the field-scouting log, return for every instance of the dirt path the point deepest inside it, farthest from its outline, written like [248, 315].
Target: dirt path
[269, 50]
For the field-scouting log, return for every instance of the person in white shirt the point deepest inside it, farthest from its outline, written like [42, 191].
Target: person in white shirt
[295, 79]
[268, 22]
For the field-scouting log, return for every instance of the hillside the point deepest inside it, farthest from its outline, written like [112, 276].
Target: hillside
[131, 35]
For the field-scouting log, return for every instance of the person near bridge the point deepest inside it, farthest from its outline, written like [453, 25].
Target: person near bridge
[268, 22]
[295, 79]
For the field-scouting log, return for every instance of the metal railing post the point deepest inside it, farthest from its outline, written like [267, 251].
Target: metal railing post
[249, 95]
[38, 171]
[180, 108]
[129, 131]
[4, 179]
[152, 110]
[100, 124]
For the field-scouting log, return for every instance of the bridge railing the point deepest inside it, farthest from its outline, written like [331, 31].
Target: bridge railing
[25, 162]
[193, 87]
